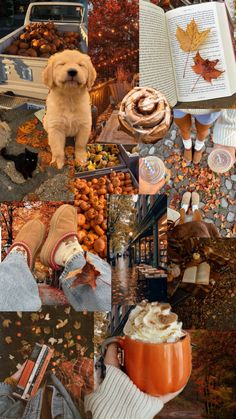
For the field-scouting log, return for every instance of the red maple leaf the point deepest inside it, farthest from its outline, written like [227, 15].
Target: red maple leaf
[87, 275]
[206, 68]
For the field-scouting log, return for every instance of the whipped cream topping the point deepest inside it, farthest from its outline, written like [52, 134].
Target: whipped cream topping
[154, 323]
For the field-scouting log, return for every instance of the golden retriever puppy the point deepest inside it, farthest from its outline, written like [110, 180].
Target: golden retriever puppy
[69, 76]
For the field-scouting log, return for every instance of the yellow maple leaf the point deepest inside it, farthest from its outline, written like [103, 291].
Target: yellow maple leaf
[191, 39]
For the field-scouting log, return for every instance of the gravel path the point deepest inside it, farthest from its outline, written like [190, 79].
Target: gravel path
[46, 185]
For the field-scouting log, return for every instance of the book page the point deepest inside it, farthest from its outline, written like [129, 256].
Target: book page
[227, 40]
[190, 275]
[155, 64]
[230, 4]
[192, 87]
[203, 274]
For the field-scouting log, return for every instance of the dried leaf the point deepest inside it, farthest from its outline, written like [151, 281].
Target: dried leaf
[61, 323]
[8, 339]
[191, 39]
[34, 317]
[206, 68]
[87, 275]
[6, 323]
[52, 340]
[77, 325]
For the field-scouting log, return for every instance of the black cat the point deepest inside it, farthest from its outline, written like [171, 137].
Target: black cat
[25, 162]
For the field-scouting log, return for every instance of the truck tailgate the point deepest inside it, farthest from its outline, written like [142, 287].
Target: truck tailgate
[23, 75]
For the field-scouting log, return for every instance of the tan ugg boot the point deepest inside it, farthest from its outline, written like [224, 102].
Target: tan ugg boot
[62, 226]
[30, 238]
[188, 155]
[197, 156]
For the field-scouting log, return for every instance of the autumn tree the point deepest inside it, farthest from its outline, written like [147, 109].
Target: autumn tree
[122, 221]
[213, 360]
[113, 31]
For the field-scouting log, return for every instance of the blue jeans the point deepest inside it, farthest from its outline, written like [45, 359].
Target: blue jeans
[19, 290]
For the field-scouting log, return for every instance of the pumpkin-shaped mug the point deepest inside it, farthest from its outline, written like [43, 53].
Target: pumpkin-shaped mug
[155, 368]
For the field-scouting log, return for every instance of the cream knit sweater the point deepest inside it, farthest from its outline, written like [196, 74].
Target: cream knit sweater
[118, 398]
[224, 131]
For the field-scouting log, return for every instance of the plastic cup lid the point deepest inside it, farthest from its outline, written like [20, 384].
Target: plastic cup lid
[220, 160]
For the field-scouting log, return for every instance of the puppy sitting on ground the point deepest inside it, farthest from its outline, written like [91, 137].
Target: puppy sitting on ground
[69, 76]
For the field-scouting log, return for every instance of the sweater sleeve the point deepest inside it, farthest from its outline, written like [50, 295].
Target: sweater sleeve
[118, 398]
[224, 132]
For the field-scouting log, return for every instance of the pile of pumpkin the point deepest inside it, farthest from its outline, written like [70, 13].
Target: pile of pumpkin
[91, 203]
[101, 156]
[92, 218]
[42, 40]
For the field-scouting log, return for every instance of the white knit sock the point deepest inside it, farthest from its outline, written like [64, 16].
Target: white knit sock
[198, 145]
[21, 250]
[194, 208]
[68, 248]
[185, 207]
[187, 143]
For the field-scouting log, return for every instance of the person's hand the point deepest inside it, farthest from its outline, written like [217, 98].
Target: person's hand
[146, 188]
[111, 358]
[17, 374]
[231, 150]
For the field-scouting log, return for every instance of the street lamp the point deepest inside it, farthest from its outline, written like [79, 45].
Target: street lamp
[130, 250]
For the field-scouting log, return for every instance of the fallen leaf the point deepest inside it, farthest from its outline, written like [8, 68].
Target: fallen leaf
[6, 323]
[77, 325]
[8, 339]
[61, 323]
[52, 340]
[87, 275]
[206, 69]
[34, 317]
[191, 39]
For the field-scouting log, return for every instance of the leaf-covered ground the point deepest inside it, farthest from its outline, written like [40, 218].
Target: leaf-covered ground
[217, 192]
[69, 333]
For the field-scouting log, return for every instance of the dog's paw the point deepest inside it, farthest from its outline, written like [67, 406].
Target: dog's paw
[81, 159]
[58, 162]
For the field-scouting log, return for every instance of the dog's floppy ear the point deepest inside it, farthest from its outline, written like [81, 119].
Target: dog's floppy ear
[48, 73]
[91, 74]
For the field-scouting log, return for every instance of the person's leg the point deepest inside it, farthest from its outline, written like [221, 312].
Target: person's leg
[184, 124]
[18, 288]
[184, 207]
[203, 124]
[197, 216]
[86, 278]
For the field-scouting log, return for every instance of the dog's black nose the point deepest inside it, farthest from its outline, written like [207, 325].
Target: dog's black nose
[72, 72]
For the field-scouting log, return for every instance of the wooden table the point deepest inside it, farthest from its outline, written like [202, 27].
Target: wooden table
[112, 134]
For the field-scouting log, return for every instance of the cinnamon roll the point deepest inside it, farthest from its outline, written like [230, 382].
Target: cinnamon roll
[146, 114]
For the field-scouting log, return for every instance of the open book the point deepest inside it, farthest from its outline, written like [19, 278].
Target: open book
[163, 62]
[197, 274]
